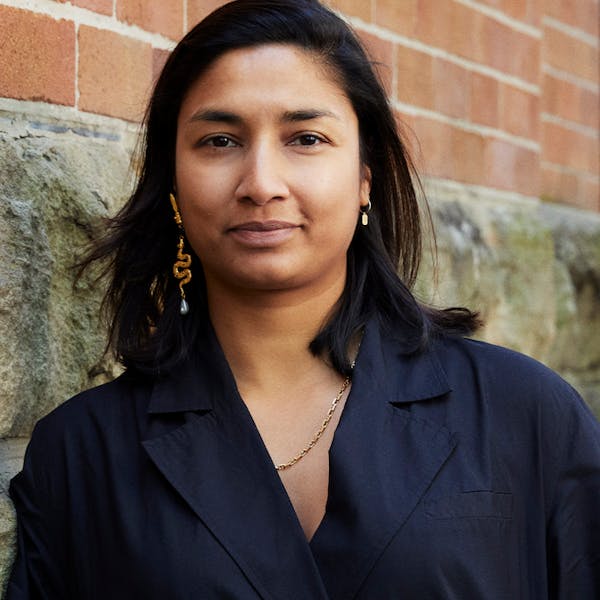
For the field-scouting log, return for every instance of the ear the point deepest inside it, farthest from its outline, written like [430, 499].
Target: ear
[365, 185]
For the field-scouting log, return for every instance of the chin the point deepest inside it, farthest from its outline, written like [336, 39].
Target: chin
[275, 282]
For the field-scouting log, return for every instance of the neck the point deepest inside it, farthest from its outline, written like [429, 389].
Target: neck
[265, 335]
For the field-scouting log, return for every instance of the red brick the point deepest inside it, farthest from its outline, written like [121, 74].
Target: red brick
[497, 4]
[511, 167]
[447, 151]
[535, 12]
[570, 101]
[511, 51]
[406, 128]
[589, 193]
[559, 97]
[593, 146]
[523, 10]
[569, 54]
[484, 100]
[584, 14]
[558, 186]
[578, 190]
[431, 15]
[104, 7]
[520, 112]
[37, 57]
[354, 8]
[589, 113]
[434, 150]
[452, 27]
[469, 152]
[514, 8]
[198, 9]
[159, 16]
[159, 58]
[528, 11]
[451, 85]
[517, 9]
[414, 77]
[562, 146]
[400, 17]
[382, 54]
[115, 73]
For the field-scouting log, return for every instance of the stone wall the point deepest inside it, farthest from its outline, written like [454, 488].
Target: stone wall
[532, 269]
[58, 177]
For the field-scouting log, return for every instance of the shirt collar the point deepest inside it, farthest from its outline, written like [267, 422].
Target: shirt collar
[201, 381]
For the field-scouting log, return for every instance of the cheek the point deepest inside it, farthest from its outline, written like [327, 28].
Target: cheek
[196, 182]
[334, 221]
[201, 196]
[337, 184]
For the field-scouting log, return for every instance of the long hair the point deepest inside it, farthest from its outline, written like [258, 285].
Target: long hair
[142, 301]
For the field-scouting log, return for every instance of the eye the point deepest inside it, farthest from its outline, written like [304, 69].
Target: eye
[307, 139]
[218, 141]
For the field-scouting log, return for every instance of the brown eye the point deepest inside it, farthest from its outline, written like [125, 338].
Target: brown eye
[307, 139]
[220, 141]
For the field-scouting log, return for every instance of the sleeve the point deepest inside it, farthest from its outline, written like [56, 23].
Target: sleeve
[573, 534]
[37, 572]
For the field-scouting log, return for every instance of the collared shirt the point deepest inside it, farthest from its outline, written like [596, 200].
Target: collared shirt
[465, 471]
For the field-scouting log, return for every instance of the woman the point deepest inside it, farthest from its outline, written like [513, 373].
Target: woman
[292, 423]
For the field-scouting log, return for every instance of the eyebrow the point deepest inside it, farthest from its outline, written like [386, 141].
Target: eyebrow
[289, 116]
[217, 116]
[294, 116]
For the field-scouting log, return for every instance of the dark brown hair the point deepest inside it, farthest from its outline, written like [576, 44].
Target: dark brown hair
[142, 300]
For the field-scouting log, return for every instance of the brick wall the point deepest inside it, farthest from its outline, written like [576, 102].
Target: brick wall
[498, 99]
[499, 94]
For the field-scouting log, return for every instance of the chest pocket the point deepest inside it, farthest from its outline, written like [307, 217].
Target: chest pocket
[471, 505]
[457, 546]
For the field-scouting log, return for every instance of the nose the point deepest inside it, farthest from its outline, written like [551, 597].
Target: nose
[263, 176]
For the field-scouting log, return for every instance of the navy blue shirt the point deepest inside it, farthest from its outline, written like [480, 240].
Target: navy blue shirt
[466, 471]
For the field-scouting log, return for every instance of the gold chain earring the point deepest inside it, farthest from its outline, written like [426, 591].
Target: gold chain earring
[364, 213]
[181, 267]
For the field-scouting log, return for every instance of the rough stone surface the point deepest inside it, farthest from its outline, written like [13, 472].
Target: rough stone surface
[497, 259]
[575, 351]
[531, 269]
[56, 181]
[11, 458]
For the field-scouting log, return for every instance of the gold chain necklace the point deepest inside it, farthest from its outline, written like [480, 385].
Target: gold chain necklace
[321, 429]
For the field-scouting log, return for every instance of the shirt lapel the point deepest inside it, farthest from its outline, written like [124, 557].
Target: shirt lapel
[382, 461]
[218, 463]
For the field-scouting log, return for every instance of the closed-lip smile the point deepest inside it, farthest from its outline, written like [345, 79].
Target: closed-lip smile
[263, 234]
[270, 225]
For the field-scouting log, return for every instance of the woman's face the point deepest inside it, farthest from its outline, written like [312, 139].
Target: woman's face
[268, 174]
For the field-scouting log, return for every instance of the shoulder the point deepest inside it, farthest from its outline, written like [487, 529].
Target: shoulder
[89, 422]
[519, 394]
[103, 402]
[498, 370]
[477, 373]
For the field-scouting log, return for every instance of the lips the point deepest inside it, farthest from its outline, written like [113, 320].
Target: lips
[270, 225]
[263, 234]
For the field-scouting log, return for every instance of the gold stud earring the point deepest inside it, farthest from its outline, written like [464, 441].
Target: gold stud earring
[364, 213]
[181, 267]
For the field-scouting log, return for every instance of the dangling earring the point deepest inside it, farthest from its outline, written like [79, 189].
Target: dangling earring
[364, 213]
[181, 268]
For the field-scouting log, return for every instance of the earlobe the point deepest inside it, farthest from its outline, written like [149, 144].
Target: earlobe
[365, 196]
[365, 186]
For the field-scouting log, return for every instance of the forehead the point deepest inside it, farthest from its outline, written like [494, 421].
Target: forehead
[268, 76]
